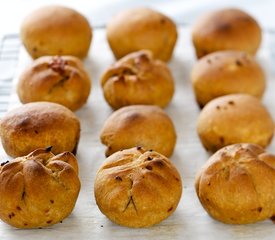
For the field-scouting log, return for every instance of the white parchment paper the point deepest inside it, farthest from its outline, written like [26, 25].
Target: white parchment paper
[189, 221]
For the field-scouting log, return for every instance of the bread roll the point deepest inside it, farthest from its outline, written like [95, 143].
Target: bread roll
[59, 79]
[56, 30]
[139, 125]
[236, 185]
[227, 72]
[39, 125]
[138, 79]
[142, 28]
[226, 29]
[39, 189]
[235, 118]
[137, 188]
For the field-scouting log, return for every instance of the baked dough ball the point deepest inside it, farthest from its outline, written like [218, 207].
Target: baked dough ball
[225, 72]
[224, 29]
[236, 185]
[56, 30]
[234, 118]
[139, 125]
[138, 79]
[137, 188]
[39, 125]
[39, 189]
[59, 79]
[142, 28]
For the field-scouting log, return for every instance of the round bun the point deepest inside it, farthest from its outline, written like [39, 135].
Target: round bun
[139, 125]
[59, 79]
[226, 29]
[56, 30]
[39, 125]
[138, 79]
[226, 72]
[137, 188]
[234, 118]
[236, 185]
[39, 189]
[142, 28]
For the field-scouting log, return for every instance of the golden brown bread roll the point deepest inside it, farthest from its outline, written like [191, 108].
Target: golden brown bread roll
[39, 125]
[138, 79]
[142, 28]
[226, 29]
[234, 118]
[56, 30]
[139, 125]
[226, 72]
[236, 185]
[39, 189]
[59, 79]
[137, 188]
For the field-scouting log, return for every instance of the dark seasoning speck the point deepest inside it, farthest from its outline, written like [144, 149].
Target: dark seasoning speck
[149, 168]
[4, 163]
[238, 63]
[118, 178]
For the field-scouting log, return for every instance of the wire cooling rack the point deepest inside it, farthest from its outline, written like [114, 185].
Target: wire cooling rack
[9, 56]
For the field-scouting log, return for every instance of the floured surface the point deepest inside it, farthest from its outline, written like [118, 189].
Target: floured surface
[189, 221]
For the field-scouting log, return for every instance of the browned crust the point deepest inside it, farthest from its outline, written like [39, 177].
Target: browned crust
[56, 30]
[139, 125]
[227, 72]
[142, 28]
[234, 118]
[39, 189]
[138, 79]
[137, 188]
[236, 185]
[59, 79]
[38, 125]
[226, 29]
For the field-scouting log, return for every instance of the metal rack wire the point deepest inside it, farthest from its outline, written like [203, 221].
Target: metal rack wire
[9, 55]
